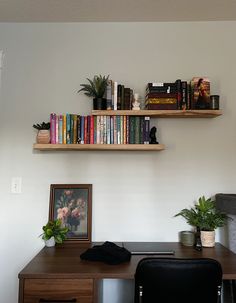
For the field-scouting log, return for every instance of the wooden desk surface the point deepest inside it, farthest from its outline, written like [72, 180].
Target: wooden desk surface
[65, 262]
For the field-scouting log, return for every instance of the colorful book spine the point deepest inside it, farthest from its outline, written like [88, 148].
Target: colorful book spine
[53, 128]
[118, 129]
[57, 126]
[112, 129]
[137, 130]
[127, 129]
[64, 129]
[82, 129]
[146, 129]
[78, 129]
[115, 129]
[95, 129]
[98, 129]
[68, 134]
[91, 130]
[184, 95]
[108, 129]
[60, 129]
[102, 130]
[86, 127]
[124, 130]
[132, 129]
[121, 129]
[142, 130]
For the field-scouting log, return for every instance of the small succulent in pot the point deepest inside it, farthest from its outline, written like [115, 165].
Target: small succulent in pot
[43, 135]
[96, 89]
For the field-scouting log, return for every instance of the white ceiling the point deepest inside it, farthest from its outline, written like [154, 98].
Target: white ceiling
[116, 10]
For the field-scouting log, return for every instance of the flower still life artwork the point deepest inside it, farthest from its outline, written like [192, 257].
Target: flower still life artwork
[72, 204]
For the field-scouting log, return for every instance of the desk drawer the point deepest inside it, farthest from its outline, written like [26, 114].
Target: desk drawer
[58, 290]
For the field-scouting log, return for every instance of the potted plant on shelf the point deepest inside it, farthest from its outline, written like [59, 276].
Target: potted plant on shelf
[54, 232]
[43, 135]
[204, 217]
[96, 89]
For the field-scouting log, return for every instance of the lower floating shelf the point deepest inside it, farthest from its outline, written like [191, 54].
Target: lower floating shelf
[78, 147]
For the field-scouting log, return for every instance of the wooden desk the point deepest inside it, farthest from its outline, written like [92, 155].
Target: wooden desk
[58, 275]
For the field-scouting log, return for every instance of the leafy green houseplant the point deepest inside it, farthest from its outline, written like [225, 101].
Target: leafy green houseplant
[54, 229]
[96, 89]
[205, 217]
[43, 135]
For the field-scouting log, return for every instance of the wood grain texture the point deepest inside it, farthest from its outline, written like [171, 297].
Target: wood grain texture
[98, 147]
[65, 263]
[80, 290]
[161, 113]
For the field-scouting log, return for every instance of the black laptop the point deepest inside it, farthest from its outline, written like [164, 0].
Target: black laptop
[148, 248]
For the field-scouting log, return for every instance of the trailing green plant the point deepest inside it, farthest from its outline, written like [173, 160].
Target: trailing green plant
[41, 126]
[204, 215]
[96, 87]
[54, 229]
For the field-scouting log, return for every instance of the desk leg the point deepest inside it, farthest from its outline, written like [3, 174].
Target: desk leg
[233, 290]
[228, 292]
[97, 290]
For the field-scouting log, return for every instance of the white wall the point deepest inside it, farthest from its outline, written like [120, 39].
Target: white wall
[135, 194]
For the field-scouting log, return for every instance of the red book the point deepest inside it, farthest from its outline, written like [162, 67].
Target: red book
[85, 129]
[91, 129]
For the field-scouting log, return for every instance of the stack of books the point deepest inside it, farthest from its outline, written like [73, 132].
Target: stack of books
[180, 94]
[76, 129]
[118, 96]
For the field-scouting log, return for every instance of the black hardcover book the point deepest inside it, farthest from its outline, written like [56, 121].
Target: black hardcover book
[161, 95]
[122, 97]
[127, 103]
[184, 95]
[161, 89]
[179, 93]
[119, 96]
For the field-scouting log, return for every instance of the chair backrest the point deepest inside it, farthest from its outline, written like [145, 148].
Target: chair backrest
[172, 280]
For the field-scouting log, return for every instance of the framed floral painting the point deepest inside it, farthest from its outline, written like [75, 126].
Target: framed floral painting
[72, 204]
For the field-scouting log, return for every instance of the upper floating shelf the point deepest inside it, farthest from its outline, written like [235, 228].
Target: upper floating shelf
[161, 113]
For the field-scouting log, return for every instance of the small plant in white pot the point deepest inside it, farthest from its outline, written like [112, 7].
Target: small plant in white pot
[206, 218]
[43, 135]
[54, 232]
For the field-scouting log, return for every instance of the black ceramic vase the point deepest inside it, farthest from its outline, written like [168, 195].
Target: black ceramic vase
[99, 104]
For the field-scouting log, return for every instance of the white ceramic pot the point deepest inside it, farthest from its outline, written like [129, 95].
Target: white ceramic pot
[51, 242]
[208, 238]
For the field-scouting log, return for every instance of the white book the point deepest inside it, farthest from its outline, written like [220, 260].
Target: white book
[115, 95]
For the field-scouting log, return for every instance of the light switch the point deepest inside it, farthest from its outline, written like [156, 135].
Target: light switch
[16, 185]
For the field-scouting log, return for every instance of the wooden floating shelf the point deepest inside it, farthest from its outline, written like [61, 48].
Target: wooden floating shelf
[97, 147]
[161, 113]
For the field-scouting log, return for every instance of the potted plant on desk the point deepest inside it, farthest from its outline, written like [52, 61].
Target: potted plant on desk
[204, 217]
[96, 89]
[54, 232]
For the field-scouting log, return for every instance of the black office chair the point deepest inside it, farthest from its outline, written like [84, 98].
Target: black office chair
[172, 280]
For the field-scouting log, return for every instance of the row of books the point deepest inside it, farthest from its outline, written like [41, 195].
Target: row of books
[178, 95]
[118, 96]
[76, 129]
